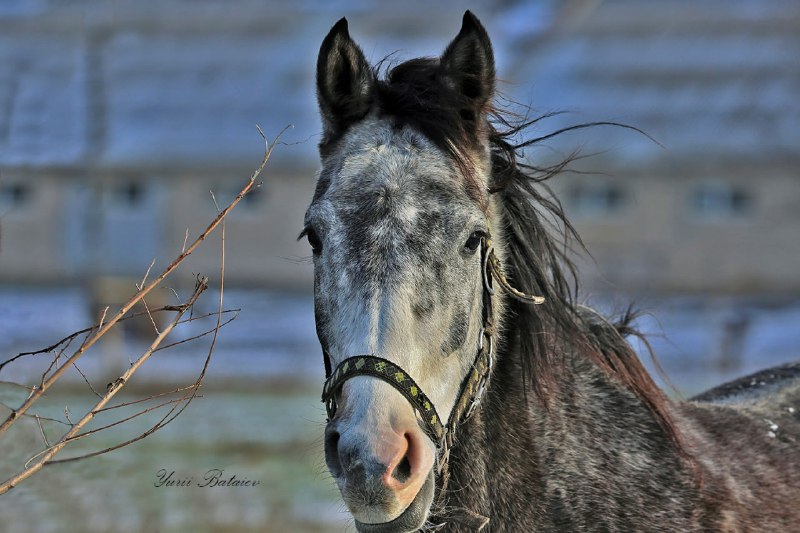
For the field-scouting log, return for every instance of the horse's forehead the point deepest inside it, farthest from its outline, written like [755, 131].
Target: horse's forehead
[383, 170]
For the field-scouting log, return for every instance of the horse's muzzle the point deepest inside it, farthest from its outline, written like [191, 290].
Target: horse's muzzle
[383, 465]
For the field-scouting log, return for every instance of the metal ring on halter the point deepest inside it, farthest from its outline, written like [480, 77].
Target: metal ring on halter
[476, 401]
[330, 408]
[486, 274]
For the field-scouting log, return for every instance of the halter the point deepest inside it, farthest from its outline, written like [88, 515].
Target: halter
[473, 387]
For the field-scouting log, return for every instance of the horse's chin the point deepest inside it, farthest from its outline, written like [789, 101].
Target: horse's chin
[409, 520]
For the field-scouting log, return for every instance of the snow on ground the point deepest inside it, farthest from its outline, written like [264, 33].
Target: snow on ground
[699, 341]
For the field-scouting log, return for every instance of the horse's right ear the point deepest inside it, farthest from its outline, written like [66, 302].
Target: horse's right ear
[468, 63]
[345, 81]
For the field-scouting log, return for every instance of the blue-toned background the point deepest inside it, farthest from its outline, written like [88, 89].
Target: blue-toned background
[118, 117]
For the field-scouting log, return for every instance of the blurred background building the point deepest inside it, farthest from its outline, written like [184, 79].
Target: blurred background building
[117, 119]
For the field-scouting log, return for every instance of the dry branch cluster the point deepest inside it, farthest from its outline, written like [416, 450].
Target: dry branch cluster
[176, 400]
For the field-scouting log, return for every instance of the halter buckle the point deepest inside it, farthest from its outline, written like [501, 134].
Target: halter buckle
[476, 401]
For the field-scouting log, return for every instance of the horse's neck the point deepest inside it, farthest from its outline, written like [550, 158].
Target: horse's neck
[594, 446]
[491, 464]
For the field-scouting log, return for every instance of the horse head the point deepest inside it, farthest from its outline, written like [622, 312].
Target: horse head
[400, 228]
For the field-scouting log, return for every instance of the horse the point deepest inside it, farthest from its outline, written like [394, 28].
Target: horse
[466, 389]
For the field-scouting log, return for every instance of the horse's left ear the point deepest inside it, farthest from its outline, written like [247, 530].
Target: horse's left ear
[468, 63]
[345, 81]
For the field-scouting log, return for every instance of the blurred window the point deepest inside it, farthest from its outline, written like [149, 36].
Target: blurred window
[717, 200]
[14, 194]
[130, 194]
[596, 199]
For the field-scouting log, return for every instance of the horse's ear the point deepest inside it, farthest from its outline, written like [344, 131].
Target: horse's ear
[468, 63]
[345, 81]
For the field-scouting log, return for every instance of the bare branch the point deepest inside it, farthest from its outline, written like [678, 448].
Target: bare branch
[101, 331]
[199, 335]
[150, 316]
[103, 317]
[144, 279]
[123, 420]
[113, 388]
[86, 380]
[41, 430]
[34, 415]
[185, 240]
[140, 400]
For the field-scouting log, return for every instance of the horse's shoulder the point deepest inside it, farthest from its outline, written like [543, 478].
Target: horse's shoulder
[756, 387]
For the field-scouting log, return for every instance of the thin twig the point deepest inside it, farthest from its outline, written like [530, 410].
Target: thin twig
[113, 388]
[182, 403]
[142, 293]
[103, 317]
[53, 363]
[144, 279]
[123, 420]
[150, 316]
[49, 348]
[41, 430]
[200, 335]
[71, 337]
[176, 293]
[34, 415]
[86, 380]
[166, 419]
[140, 400]
[185, 240]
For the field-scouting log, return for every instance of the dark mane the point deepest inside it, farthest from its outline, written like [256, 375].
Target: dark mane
[539, 240]
[571, 434]
[538, 237]
[413, 94]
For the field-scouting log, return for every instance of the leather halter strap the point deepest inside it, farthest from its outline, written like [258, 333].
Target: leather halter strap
[473, 386]
[370, 365]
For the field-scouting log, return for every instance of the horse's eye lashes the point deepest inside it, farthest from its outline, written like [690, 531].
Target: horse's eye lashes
[313, 239]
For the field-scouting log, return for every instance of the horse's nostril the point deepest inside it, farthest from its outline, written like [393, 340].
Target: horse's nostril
[403, 470]
[332, 439]
[332, 452]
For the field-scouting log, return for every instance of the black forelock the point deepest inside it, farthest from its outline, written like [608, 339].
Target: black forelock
[415, 94]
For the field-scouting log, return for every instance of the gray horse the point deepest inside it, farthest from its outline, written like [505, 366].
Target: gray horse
[466, 389]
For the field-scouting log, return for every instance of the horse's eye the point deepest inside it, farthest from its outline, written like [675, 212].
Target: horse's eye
[313, 240]
[474, 241]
